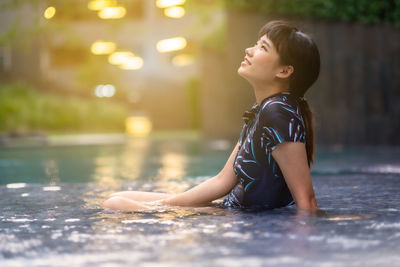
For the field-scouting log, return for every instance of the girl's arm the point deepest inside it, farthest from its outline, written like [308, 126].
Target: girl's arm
[211, 189]
[292, 160]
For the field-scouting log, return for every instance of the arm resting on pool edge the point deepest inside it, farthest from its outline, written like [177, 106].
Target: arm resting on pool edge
[211, 189]
[292, 160]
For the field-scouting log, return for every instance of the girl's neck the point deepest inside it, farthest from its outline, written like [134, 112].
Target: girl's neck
[263, 92]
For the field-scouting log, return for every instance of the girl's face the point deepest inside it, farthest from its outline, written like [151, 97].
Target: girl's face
[261, 62]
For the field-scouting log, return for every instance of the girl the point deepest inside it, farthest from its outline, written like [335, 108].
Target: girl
[270, 165]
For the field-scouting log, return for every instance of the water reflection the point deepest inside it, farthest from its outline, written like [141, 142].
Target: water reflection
[172, 166]
[297, 231]
[171, 172]
[51, 188]
[348, 217]
[52, 171]
[105, 170]
[133, 157]
[16, 185]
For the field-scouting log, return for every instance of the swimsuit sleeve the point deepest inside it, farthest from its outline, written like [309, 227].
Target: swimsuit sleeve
[280, 123]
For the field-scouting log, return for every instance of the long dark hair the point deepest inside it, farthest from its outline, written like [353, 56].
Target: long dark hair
[299, 50]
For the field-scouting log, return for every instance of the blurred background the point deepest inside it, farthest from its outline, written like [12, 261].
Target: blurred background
[146, 66]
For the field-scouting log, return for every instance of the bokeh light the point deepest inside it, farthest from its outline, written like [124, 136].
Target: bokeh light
[126, 60]
[116, 12]
[183, 60]
[104, 90]
[16, 185]
[169, 3]
[174, 12]
[97, 5]
[171, 44]
[138, 126]
[49, 12]
[132, 63]
[118, 58]
[102, 48]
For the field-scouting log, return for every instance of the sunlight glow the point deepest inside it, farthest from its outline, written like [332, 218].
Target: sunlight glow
[182, 60]
[175, 12]
[97, 5]
[169, 3]
[138, 126]
[49, 12]
[116, 12]
[102, 48]
[171, 44]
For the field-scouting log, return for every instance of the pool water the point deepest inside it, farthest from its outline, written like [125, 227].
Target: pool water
[50, 215]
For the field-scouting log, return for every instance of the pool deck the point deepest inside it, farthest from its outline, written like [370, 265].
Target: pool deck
[35, 140]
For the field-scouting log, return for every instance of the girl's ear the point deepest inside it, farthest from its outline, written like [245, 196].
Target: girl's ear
[285, 71]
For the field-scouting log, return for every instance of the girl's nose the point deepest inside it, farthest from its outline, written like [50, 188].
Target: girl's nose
[248, 51]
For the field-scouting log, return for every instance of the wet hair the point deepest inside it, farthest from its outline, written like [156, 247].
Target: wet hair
[297, 49]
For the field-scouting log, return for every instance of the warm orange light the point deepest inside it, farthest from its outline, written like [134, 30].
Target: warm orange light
[173, 165]
[115, 12]
[102, 48]
[49, 12]
[171, 44]
[97, 5]
[175, 12]
[132, 63]
[138, 125]
[169, 3]
[118, 58]
[126, 60]
[182, 60]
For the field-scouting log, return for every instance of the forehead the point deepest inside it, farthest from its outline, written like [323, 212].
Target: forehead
[265, 39]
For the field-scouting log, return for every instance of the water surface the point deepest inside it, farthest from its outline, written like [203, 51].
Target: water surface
[50, 215]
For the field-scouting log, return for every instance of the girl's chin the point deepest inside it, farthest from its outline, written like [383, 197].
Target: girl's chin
[241, 72]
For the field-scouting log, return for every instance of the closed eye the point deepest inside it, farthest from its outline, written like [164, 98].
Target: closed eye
[262, 47]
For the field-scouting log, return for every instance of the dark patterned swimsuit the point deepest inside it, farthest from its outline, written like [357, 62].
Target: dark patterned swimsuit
[260, 181]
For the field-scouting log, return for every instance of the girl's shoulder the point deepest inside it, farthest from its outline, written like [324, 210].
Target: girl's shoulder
[281, 105]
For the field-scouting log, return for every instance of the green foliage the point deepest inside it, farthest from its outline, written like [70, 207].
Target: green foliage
[208, 14]
[365, 11]
[5, 4]
[94, 71]
[192, 89]
[23, 108]
[216, 40]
